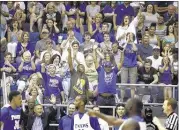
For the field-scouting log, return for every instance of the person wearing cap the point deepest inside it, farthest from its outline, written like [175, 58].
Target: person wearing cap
[148, 75]
[40, 45]
[49, 45]
[107, 74]
[156, 58]
[144, 50]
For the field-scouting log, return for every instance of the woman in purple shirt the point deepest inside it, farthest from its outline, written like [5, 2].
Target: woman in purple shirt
[95, 27]
[23, 46]
[46, 60]
[71, 7]
[166, 76]
[129, 67]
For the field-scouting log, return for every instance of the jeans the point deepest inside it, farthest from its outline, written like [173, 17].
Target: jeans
[106, 101]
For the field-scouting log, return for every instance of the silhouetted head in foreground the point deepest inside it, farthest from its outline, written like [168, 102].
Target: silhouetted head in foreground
[131, 124]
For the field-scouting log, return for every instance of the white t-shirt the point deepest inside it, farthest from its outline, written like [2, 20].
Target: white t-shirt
[103, 124]
[21, 5]
[79, 57]
[131, 28]
[83, 123]
[155, 62]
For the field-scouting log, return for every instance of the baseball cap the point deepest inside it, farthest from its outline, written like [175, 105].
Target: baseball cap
[156, 48]
[45, 31]
[108, 64]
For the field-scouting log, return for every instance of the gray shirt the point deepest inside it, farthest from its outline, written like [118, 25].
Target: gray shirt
[87, 48]
[78, 85]
[41, 45]
[144, 51]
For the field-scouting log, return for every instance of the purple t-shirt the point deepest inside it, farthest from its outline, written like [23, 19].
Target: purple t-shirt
[108, 9]
[93, 122]
[121, 11]
[27, 69]
[166, 76]
[29, 48]
[130, 57]
[107, 81]
[53, 85]
[65, 123]
[3, 65]
[11, 118]
[94, 28]
[70, 8]
[82, 8]
[12, 12]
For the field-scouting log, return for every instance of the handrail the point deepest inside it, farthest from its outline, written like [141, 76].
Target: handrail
[151, 85]
[4, 89]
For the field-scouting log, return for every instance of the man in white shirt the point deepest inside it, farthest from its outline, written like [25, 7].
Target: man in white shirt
[156, 58]
[68, 42]
[103, 124]
[77, 56]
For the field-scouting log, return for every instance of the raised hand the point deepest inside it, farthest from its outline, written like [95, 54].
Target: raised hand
[53, 99]
[69, 50]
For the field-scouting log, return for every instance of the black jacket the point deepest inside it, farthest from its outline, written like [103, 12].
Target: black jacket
[28, 119]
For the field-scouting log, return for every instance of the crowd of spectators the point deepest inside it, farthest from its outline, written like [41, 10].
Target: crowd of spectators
[66, 49]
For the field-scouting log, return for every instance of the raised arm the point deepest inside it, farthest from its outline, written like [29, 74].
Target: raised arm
[114, 22]
[95, 57]
[121, 61]
[70, 59]
[162, 69]
[109, 119]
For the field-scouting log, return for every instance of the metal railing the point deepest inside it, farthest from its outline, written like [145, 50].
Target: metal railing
[149, 85]
[5, 95]
[4, 89]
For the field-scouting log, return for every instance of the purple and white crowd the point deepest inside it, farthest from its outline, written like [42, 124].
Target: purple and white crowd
[54, 52]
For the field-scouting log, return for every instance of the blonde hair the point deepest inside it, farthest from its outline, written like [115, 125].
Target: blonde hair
[51, 4]
[99, 15]
[22, 35]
